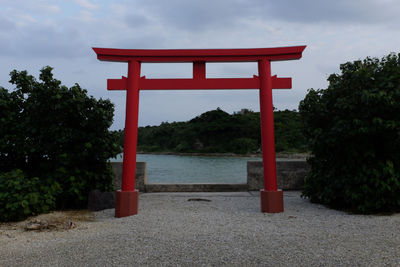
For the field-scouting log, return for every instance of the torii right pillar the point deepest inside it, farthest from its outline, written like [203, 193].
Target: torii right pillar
[271, 197]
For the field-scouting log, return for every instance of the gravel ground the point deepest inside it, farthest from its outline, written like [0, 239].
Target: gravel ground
[229, 230]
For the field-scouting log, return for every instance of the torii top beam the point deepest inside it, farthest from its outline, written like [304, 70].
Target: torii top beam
[199, 57]
[202, 55]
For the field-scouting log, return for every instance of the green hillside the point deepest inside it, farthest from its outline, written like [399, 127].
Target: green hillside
[217, 131]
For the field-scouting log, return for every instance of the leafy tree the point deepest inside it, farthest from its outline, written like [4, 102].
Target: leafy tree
[353, 128]
[57, 134]
[213, 128]
[243, 145]
[288, 131]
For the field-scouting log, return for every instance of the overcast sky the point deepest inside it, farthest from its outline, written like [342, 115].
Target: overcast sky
[60, 34]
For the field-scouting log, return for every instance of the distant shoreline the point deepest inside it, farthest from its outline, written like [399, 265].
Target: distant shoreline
[255, 155]
[202, 154]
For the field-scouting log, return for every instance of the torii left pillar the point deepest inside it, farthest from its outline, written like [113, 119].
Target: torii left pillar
[127, 199]
[271, 197]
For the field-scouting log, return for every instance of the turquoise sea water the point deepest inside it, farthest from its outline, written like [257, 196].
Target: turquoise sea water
[194, 169]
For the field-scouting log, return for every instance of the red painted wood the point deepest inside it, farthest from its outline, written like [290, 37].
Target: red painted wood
[281, 83]
[236, 52]
[194, 59]
[199, 55]
[131, 127]
[199, 70]
[193, 84]
[199, 82]
[117, 84]
[267, 125]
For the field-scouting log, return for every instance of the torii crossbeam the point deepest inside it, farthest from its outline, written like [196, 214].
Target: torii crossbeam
[127, 198]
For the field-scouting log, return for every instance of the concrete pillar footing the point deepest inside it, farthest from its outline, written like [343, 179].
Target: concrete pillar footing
[271, 201]
[126, 203]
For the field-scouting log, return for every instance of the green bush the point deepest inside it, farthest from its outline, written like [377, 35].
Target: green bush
[58, 134]
[21, 197]
[353, 128]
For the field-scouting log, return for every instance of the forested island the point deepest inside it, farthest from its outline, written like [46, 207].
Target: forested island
[217, 131]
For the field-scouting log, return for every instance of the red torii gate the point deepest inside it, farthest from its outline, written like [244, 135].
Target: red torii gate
[126, 202]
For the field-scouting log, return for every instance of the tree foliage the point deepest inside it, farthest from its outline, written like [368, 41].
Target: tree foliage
[57, 134]
[216, 131]
[354, 132]
[21, 197]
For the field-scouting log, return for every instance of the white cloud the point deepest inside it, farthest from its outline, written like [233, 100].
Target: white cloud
[86, 4]
[52, 8]
[25, 20]
[86, 16]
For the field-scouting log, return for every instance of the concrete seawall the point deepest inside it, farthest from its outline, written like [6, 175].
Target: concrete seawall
[290, 175]
[140, 177]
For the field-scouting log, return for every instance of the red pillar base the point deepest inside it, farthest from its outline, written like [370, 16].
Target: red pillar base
[271, 201]
[126, 203]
